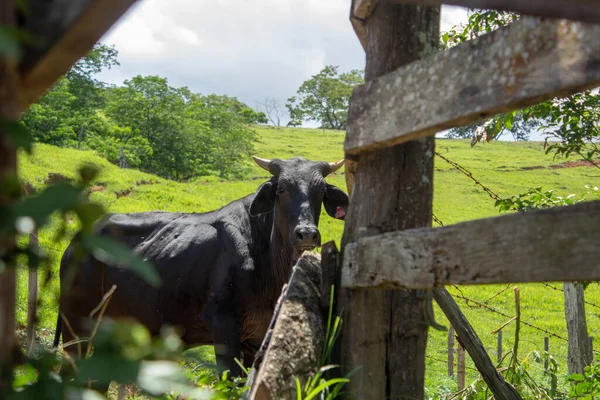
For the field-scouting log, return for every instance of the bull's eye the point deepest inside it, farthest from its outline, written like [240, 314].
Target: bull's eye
[280, 190]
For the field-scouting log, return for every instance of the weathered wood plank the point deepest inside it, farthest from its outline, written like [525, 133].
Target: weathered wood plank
[527, 62]
[68, 29]
[297, 339]
[470, 341]
[558, 244]
[580, 10]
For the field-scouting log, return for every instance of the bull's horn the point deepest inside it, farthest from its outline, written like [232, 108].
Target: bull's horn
[335, 166]
[262, 162]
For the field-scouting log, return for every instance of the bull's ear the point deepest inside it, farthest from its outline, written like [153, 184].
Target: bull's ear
[335, 202]
[264, 201]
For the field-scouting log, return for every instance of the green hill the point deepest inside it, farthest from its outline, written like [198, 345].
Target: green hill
[506, 168]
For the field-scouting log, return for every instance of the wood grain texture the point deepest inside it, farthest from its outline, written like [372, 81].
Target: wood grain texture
[297, 339]
[469, 340]
[67, 30]
[385, 332]
[558, 244]
[529, 61]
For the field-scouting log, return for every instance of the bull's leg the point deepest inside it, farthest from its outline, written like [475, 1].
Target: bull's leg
[226, 338]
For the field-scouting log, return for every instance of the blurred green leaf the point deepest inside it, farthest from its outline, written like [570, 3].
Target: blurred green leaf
[58, 197]
[158, 377]
[88, 173]
[18, 134]
[106, 367]
[114, 253]
[82, 394]
[9, 43]
[89, 213]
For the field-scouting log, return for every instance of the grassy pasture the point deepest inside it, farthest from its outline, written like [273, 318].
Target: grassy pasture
[505, 167]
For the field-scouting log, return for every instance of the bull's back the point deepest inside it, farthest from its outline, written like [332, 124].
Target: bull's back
[180, 246]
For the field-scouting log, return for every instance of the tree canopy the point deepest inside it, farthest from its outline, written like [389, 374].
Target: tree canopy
[164, 130]
[324, 98]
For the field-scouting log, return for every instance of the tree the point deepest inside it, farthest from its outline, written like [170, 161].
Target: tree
[273, 110]
[324, 98]
[519, 127]
[189, 134]
[70, 106]
[50, 119]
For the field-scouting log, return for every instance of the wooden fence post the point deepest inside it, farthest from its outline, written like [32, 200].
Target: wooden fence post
[122, 160]
[451, 351]
[385, 331]
[580, 351]
[461, 368]
[9, 84]
[32, 294]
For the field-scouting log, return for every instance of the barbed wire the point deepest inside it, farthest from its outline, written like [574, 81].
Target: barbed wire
[446, 363]
[468, 173]
[499, 293]
[562, 291]
[437, 220]
[492, 309]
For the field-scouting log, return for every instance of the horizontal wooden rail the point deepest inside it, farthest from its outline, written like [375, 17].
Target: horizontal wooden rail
[65, 31]
[529, 61]
[558, 244]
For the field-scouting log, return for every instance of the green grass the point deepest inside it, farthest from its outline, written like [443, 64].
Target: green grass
[456, 198]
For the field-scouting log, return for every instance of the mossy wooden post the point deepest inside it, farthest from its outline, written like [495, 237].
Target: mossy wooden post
[384, 331]
[9, 81]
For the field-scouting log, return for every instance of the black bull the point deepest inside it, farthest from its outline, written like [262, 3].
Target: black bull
[221, 271]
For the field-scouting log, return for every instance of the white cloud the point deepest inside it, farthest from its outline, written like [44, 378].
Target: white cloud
[249, 49]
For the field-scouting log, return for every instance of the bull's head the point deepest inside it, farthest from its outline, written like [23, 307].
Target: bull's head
[295, 194]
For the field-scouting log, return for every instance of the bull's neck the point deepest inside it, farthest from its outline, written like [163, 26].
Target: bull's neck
[280, 255]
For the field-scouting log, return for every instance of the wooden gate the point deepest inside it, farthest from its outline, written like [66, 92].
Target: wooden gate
[393, 261]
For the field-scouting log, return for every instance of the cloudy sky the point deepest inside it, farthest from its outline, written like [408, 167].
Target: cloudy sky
[247, 49]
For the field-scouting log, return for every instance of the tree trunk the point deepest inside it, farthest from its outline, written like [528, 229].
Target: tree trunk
[385, 332]
[580, 349]
[9, 80]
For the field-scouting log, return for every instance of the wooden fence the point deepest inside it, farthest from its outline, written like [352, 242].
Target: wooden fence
[410, 94]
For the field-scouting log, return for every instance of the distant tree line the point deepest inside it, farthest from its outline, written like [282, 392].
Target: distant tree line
[167, 131]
